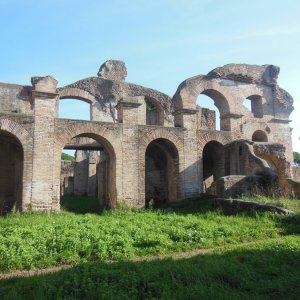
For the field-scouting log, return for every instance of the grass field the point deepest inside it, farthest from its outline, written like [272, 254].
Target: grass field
[267, 267]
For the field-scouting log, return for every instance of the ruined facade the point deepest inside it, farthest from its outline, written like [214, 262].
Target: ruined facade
[142, 144]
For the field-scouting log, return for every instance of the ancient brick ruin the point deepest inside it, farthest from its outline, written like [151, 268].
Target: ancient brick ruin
[142, 144]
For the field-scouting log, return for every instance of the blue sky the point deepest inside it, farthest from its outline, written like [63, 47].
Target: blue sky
[162, 42]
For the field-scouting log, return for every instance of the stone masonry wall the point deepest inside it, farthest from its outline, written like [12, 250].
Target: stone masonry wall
[119, 126]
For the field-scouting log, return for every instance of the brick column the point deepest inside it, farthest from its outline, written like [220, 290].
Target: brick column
[191, 175]
[44, 96]
[130, 113]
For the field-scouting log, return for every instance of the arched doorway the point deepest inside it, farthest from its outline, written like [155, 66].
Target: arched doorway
[213, 163]
[11, 172]
[259, 136]
[91, 172]
[161, 172]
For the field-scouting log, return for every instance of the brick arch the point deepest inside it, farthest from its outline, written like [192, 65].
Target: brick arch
[204, 138]
[76, 93]
[26, 141]
[73, 129]
[160, 133]
[17, 130]
[258, 127]
[144, 141]
[100, 133]
[188, 92]
[159, 110]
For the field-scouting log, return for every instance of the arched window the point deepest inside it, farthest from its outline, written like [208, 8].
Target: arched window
[154, 112]
[214, 107]
[210, 115]
[254, 104]
[76, 109]
[259, 136]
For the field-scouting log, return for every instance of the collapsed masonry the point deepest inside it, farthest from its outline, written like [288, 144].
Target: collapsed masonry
[142, 144]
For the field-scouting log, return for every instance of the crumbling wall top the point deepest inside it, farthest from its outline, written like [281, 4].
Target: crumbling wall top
[265, 74]
[45, 84]
[113, 70]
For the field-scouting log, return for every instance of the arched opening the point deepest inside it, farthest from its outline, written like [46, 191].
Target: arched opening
[90, 175]
[254, 104]
[154, 112]
[213, 163]
[74, 108]
[214, 108]
[259, 136]
[161, 172]
[11, 172]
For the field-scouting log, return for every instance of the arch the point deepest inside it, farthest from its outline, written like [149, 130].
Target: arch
[219, 99]
[11, 172]
[206, 137]
[161, 172]
[146, 137]
[221, 103]
[26, 141]
[154, 112]
[104, 164]
[188, 91]
[213, 163]
[75, 93]
[259, 136]
[107, 138]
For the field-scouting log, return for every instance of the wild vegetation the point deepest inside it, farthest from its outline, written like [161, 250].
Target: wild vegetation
[263, 270]
[296, 157]
[65, 156]
[248, 254]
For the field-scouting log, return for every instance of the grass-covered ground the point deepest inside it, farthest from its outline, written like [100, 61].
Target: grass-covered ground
[263, 270]
[267, 267]
[291, 204]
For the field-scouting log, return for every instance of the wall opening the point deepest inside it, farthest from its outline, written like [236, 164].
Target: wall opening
[11, 173]
[161, 172]
[213, 163]
[259, 136]
[90, 174]
[154, 112]
[254, 104]
[76, 109]
[214, 101]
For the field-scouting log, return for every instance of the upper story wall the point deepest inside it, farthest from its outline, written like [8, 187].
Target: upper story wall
[229, 86]
[106, 90]
[15, 99]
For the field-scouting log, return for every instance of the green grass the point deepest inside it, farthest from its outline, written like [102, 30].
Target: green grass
[38, 240]
[291, 204]
[80, 205]
[263, 270]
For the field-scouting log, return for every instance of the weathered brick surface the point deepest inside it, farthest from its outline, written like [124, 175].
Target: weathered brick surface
[131, 139]
[296, 173]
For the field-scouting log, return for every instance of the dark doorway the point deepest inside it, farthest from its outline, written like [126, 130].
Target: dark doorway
[11, 172]
[213, 163]
[161, 174]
